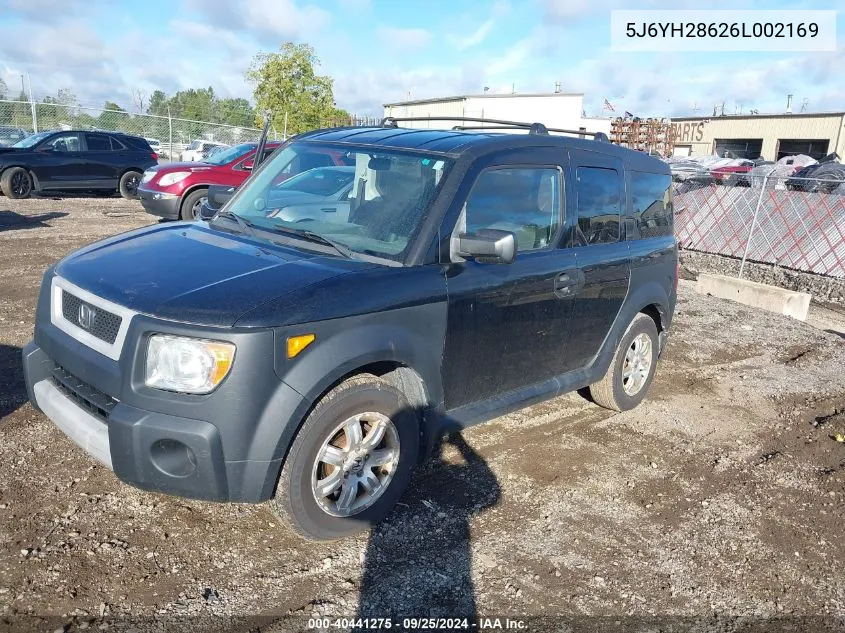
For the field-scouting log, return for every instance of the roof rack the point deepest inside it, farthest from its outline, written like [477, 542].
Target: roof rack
[496, 124]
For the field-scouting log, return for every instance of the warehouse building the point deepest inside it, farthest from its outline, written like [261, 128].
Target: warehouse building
[563, 110]
[770, 136]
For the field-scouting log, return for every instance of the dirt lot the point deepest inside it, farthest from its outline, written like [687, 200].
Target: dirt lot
[717, 504]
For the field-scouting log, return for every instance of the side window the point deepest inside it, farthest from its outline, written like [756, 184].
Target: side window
[98, 143]
[117, 145]
[597, 190]
[524, 200]
[651, 199]
[64, 143]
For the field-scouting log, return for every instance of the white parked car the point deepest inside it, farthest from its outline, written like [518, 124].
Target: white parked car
[198, 150]
[155, 144]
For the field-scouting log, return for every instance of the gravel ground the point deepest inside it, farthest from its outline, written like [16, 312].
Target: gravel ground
[717, 505]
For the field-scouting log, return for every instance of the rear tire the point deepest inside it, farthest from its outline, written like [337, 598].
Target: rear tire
[128, 185]
[191, 204]
[16, 183]
[630, 374]
[373, 468]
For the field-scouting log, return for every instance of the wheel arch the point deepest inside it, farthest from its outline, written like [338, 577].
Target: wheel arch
[189, 191]
[36, 184]
[650, 299]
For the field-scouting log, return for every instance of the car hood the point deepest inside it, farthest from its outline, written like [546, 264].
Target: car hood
[191, 273]
[4, 149]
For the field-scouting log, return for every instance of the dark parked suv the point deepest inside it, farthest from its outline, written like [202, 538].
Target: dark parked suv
[313, 362]
[75, 161]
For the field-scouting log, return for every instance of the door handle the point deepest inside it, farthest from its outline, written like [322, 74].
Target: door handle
[567, 284]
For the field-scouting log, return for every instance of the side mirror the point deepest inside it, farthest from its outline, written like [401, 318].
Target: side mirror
[218, 195]
[491, 245]
[248, 165]
[46, 148]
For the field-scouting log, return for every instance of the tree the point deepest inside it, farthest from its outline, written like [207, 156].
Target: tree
[158, 104]
[287, 83]
[234, 112]
[113, 117]
[139, 98]
[4, 89]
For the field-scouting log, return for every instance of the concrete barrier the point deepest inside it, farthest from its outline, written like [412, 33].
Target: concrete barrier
[772, 298]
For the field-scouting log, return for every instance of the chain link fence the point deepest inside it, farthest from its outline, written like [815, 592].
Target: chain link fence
[763, 216]
[18, 119]
[172, 135]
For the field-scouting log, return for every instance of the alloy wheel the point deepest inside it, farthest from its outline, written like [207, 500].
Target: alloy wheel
[355, 464]
[637, 365]
[21, 184]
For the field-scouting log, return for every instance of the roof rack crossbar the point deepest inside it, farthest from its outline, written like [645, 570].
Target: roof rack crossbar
[500, 124]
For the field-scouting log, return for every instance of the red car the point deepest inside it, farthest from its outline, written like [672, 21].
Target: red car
[176, 190]
[733, 174]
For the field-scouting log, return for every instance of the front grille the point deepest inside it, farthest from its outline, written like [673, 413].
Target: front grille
[86, 396]
[103, 325]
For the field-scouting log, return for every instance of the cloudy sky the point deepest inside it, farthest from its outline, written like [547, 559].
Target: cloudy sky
[382, 50]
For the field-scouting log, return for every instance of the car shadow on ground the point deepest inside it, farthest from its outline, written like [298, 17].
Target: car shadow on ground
[12, 388]
[11, 221]
[418, 562]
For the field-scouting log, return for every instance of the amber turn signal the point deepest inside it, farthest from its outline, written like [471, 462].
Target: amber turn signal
[298, 343]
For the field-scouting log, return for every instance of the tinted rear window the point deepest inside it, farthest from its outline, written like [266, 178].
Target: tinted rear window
[134, 142]
[598, 192]
[98, 143]
[651, 203]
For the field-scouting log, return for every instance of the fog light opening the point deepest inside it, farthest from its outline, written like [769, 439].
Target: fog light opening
[173, 458]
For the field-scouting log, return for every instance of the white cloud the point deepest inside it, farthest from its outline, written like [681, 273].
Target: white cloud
[404, 40]
[47, 10]
[477, 36]
[364, 91]
[273, 21]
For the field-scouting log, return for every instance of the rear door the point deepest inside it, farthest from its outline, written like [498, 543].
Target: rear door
[597, 195]
[101, 160]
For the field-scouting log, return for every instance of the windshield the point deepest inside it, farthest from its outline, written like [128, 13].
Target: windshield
[368, 200]
[194, 145]
[32, 140]
[223, 156]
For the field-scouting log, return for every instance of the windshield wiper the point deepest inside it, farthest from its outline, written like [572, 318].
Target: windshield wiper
[343, 249]
[245, 225]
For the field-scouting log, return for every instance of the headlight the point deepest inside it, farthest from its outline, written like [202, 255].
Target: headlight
[148, 176]
[173, 178]
[187, 365]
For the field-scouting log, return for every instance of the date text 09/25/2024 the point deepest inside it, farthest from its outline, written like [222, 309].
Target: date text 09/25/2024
[417, 624]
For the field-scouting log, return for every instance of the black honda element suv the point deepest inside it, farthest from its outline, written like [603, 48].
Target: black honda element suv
[315, 345]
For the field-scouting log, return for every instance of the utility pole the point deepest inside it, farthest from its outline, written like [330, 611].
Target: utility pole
[32, 105]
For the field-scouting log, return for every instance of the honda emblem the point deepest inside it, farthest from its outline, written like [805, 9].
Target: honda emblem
[86, 316]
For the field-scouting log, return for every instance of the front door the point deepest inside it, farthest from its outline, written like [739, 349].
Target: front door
[597, 194]
[507, 323]
[59, 161]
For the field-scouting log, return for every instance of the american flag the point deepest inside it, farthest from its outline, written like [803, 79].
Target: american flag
[608, 106]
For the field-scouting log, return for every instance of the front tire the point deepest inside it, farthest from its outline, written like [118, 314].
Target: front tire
[629, 376]
[191, 204]
[16, 183]
[350, 462]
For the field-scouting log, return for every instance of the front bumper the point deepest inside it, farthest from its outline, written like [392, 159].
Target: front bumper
[225, 446]
[159, 203]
